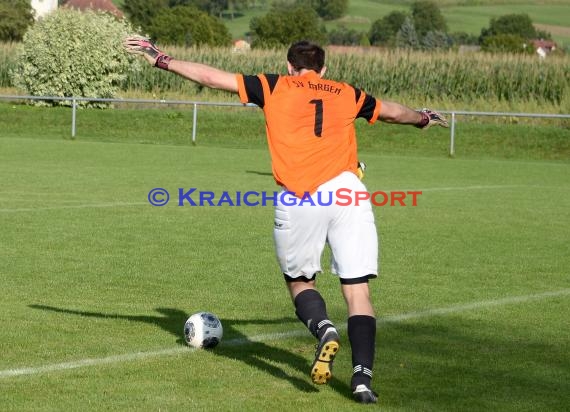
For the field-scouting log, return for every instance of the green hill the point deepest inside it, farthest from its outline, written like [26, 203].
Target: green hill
[552, 16]
[461, 15]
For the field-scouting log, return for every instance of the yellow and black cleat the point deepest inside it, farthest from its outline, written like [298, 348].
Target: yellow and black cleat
[361, 167]
[321, 371]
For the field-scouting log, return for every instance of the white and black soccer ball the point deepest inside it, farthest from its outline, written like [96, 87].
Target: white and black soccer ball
[203, 330]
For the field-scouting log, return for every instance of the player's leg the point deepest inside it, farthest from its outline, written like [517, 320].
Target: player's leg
[362, 337]
[300, 234]
[310, 308]
[354, 245]
[300, 237]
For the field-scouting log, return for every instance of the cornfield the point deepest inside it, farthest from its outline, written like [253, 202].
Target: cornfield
[386, 74]
[7, 63]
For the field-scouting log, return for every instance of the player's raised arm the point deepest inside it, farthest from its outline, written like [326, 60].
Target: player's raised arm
[392, 112]
[200, 73]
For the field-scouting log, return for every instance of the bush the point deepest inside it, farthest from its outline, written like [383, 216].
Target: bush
[461, 37]
[506, 43]
[73, 53]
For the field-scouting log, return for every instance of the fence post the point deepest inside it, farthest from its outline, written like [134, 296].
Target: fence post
[194, 120]
[452, 137]
[73, 115]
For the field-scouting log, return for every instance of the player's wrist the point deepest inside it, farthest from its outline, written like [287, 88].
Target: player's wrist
[163, 61]
[424, 121]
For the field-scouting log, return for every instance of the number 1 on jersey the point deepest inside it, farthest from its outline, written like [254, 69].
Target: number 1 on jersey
[318, 116]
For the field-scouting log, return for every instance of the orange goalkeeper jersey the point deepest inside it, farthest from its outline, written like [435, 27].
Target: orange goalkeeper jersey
[309, 124]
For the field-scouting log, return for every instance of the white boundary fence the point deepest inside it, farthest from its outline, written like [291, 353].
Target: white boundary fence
[74, 101]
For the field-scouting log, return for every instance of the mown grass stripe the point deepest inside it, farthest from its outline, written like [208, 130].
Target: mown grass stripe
[126, 204]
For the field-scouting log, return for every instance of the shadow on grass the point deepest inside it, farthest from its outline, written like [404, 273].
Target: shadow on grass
[441, 364]
[235, 345]
[462, 365]
[255, 172]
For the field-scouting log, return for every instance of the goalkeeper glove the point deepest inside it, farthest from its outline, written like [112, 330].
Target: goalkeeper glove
[145, 47]
[431, 118]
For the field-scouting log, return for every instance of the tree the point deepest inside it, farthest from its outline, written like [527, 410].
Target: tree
[141, 12]
[384, 30]
[436, 40]
[238, 6]
[364, 40]
[328, 9]
[345, 37]
[543, 34]
[516, 24]
[74, 53]
[462, 37]
[15, 18]
[427, 16]
[283, 25]
[407, 36]
[186, 26]
[212, 7]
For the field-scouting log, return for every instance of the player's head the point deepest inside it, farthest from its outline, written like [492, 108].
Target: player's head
[305, 55]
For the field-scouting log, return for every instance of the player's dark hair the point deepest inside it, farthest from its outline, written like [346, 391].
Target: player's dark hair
[306, 55]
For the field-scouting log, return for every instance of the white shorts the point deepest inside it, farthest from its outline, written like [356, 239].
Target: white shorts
[303, 227]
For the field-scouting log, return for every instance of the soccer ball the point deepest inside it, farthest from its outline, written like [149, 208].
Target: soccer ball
[203, 330]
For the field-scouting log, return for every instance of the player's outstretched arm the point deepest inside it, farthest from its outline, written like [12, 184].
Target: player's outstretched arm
[200, 73]
[392, 112]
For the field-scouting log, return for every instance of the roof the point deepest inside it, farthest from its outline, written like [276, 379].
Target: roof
[545, 44]
[98, 5]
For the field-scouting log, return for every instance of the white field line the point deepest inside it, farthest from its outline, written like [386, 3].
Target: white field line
[124, 204]
[127, 357]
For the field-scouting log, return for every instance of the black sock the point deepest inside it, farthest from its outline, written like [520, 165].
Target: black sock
[362, 336]
[311, 309]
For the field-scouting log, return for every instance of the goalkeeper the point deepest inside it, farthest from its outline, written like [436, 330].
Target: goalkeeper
[312, 142]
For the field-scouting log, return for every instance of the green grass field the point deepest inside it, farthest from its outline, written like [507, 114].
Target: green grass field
[472, 303]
